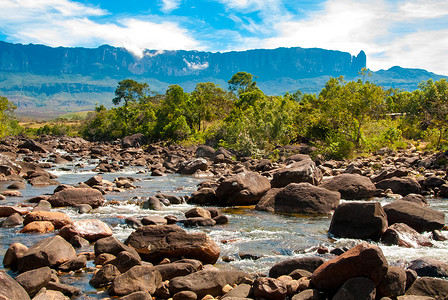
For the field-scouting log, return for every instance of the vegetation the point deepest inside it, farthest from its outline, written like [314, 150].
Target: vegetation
[344, 119]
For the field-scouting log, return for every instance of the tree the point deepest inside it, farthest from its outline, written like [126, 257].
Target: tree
[242, 82]
[8, 122]
[130, 91]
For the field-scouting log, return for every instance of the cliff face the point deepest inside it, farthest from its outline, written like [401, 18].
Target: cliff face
[172, 66]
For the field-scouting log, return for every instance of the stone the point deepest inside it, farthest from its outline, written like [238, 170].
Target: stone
[152, 203]
[89, 229]
[45, 294]
[104, 258]
[285, 267]
[32, 281]
[411, 276]
[77, 263]
[269, 288]
[135, 140]
[76, 196]
[203, 196]
[11, 193]
[204, 151]
[356, 288]
[66, 289]
[125, 261]
[154, 220]
[304, 170]
[427, 286]
[364, 260]
[309, 294]
[176, 269]
[351, 186]
[221, 219]
[142, 295]
[400, 185]
[10, 289]
[17, 185]
[199, 221]
[198, 212]
[52, 252]
[429, 267]
[133, 222]
[190, 166]
[299, 273]
[267, 202]
[403, 235]
[156, 242]
[112, 246]
[12, 255]
[366, 220]
[38, 227]
[139, 278]
[242, 189]
[393, 284]
[242, 290]
[79, 242]
[13, 220]
[104, 276]
[416, 216]
[415, 198]
[6, 211]
[58, 219]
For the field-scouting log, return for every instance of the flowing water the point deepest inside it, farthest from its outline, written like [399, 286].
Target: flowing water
[269, 237]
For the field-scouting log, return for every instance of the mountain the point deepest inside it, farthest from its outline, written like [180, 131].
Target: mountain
[50, 81]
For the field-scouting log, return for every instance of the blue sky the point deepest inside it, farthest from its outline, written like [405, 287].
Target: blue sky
[408, 33]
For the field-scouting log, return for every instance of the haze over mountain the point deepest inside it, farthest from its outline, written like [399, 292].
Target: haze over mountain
[48, 81]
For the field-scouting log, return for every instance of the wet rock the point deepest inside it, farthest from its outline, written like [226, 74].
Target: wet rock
[104, 276]
[94, 180]
[356, 288]
[74, 264]
[142, 295]
[364, 260]
[242, 189]
[10, 289]
[32, 281]
[400, 185]
[309, 294]
[112, 246]
[416, 216]
[103, 259]
[411, 276]
[204, 151]
[358, 220]
[90, 229]
[171, 219]
[139, 278]
[415, 198]
[13, 254]
[199, 221]
[38, 227]
[433, 182]
[45, 294]
[267, 202]
[285, 267]
[443, 191]
[203, 196]
[190, 166]
[79, 242]
[438, 236]
[58, 219]
[429, 267]
[427, 286]
[135, 140]
[171, 198]
[393, 284]
[351, 186]
[198, 212]
[269, 288]
[51, 252]
[176, 269]
[125, 261]
[402, 235]
[154, 220]
[66, 289]
[297, 172]
[206, 282]
[76, 196]
[221, 219]
[83, 208]
[156, 242]
[305, 198]
[243, 290]
[11, 193]
[152, 203]
[18, 185]
[13, 220]
[133, 222]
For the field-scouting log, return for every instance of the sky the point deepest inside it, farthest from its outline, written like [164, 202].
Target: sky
[407, 33]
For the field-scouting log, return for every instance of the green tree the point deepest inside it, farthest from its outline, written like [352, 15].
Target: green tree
[242, 82]
[8, 121]
[130, 91]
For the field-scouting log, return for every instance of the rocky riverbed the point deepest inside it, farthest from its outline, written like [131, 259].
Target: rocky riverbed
[105, 220]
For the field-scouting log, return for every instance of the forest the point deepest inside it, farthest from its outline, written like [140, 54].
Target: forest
[345, 119]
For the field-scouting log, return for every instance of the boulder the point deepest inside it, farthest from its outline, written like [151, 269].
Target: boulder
[139, 278]
[76, 196]
[104, 276]
[199, 221]
[269, 288]
[142, 295]
[135, 140]
[309, 294]
[176, 269]
[49, 252]
[112, 246]
[242, 189]
[190, 166]
[13, 220]
[243, 290]
[415, 198]
[427, 286]
[297, 172]
[305, 198]
[203, 196]
[206, 282]
[364, 260]
[400, 185]
[58, 219]
[152, 203]
[429, 267]
[198, 212]
[76, 263]
[285, 267]
[90, 229]
[204, 151]
[45, 294]
[32, 281]
[351, 186]
[358, 220]
[267, 202]
[12, 255]
[156, 242]
[356, 288]
[154, 220]
[402, 235]
[10, 289]
[6, 211]
[125, 261]
[393, 283]
[94, 181]
[416, 216]
[38, 227]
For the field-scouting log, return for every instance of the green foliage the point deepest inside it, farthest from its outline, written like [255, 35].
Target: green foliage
[8, 122]
[242, 82]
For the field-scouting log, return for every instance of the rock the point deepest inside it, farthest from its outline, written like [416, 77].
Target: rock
[400, 185]
[18, 185]
[32, 281]
[443, 190]
[438, 236]
[176, 269]
[299, 273]
[89, 229]
[77, 263]
[12, 255]
[94, 180]
[152, 203]
[142, 295]
[204, 151]
[76, 196]
[356, 288]
[242, 189]
[83, 208]
[156, 242]
[411, 276]
[393, 283]
[429, 267]
[297, 172]
[351, 186]
[66, 289]
[104, 258]
[305, 198]
[51, 252]
[269, 288]
[45, 294]
[190, 166]
[364, 260]
[135, 140]
[203, 196]
[38, 227]
[79, 242]
[267, 202]
[104, 276]
[125, 261]
[415, 198]
[358, 220]
[402, 235]
[221, 219]
[206, 282]
[139, 278]
[112, 246]
[243, 290]
[6, 211]
[309, 294]
[199, 221]
[12, 193]
[433, 182]
[154, 220]
[10, 289]
[42, 179]
[285, 267]
[427, 286]
[13, 220]
[33, 146]
[58, 219]
[133, 222]
[416, 216]
[198, 212]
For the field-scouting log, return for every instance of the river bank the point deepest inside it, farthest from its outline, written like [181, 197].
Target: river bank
[251, 242]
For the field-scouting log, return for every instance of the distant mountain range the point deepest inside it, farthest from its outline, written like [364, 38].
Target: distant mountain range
[45, 81]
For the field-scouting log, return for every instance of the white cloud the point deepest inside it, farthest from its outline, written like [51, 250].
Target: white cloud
[66, 23]
[170, 5]
[196, 66]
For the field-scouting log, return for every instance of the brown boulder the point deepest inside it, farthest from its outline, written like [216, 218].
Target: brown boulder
[38, 227]
[32, 281]
[156, 242]
[176, 269]
[139, 278]
[198, 212]
[58, 219]
[356, 288]
[104, 276]
[402, 235]
[351, 186]
[285, 267]
[304, 170]
[415, 198]
[393, 283]
[269, 288]
[429, 267]
[112, 246]
[364, 260]
[10, 289]
[427, 286]
[400, 185]
[76, 196]
[12, 255]
[242, 189]
[90, 229]
[6, 211]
